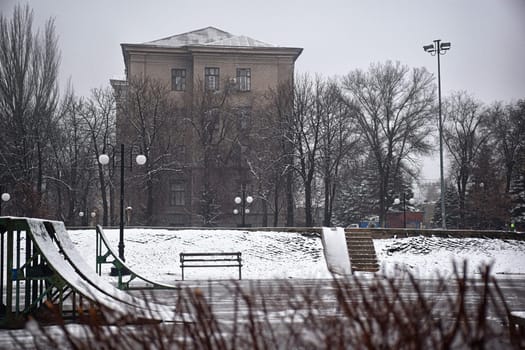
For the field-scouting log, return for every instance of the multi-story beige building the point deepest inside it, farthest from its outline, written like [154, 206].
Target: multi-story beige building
[216, 81]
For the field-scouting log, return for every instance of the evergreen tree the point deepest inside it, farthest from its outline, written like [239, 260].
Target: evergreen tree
[452, 205]
[487, 205]
[517, 194]
[357, 198]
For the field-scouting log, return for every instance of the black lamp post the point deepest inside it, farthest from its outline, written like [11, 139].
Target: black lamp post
[104, 160]
[243, 201]
[437, 49]
[410, 201]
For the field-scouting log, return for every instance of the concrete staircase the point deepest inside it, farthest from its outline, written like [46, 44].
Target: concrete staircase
[361, 251]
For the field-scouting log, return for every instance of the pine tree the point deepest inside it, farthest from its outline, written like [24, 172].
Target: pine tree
[357, 198]
[517, 194]
[452, 209]
[487, 204]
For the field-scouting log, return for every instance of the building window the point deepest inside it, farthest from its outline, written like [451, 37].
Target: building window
[243, 118]
[178, 79]
[177, 194]
[211, 78]
[244, 76]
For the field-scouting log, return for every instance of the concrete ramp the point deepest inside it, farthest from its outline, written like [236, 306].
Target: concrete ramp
[39, 279]
[336, 253]
[73, 256]
[121, 267]
[119, 311]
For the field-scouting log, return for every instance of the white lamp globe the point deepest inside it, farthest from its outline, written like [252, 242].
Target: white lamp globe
[235, 211]
[249, 199]
[6, 196]
[103, 159]
[411, 201]
[141, 159]
[247, 211]
[238, 200]
[397, 201]
[81, 213]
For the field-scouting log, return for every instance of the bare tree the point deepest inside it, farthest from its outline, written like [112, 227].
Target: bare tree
[98, 121]
[507, 125]
[338, 140]
[395, 106]
[465, 133]
[72, 161]
[28, 99]
[304, 125]
[148, 118]
[212, 119]
[279, 133]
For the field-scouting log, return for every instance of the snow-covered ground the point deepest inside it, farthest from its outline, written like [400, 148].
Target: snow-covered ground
[154, 253]
[427, 256]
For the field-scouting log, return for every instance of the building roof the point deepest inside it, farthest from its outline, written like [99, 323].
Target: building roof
[209, 36]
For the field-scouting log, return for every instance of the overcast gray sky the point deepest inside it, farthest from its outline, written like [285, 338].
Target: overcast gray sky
[487, 58]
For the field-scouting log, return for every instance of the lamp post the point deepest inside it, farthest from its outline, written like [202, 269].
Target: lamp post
[140, 160]
[437, 48]
[5, 197]
[243, 201]
[410, 201]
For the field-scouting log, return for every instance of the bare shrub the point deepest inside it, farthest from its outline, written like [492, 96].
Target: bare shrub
[370, 312]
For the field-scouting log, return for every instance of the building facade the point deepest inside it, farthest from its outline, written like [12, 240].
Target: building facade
[200, 146]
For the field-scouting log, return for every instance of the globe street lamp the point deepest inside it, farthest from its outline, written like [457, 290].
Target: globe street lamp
[5, 197]
[243, 201]
[128, 214]
[104, 160]
[437, 48]
[411, 201]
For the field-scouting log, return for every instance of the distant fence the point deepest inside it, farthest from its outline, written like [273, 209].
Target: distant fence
[376, 233]
[382, 233]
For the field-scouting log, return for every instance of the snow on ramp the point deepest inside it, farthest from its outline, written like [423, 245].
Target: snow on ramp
[336, 251]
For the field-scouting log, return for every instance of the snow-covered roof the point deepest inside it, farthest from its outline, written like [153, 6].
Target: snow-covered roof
[209, 36]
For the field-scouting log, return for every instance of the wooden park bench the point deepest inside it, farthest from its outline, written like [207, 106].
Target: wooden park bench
[232, 259]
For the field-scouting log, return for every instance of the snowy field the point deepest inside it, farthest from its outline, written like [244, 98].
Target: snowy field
[154, 253]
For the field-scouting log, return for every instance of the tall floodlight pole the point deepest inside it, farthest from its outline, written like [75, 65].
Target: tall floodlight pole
[438, 48]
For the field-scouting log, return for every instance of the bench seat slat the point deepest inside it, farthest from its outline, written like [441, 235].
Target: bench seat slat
[214, 259]
[212, 266]
[210, 254]
[211, 260]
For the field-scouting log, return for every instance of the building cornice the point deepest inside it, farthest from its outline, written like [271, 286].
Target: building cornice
[291, 52]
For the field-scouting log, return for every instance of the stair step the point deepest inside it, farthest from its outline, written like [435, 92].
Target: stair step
[365, 266]
[371, 269]
[356, 257]
[362, 252]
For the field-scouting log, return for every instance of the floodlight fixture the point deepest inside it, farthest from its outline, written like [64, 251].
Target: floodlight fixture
[445, 46]
[428, 48]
